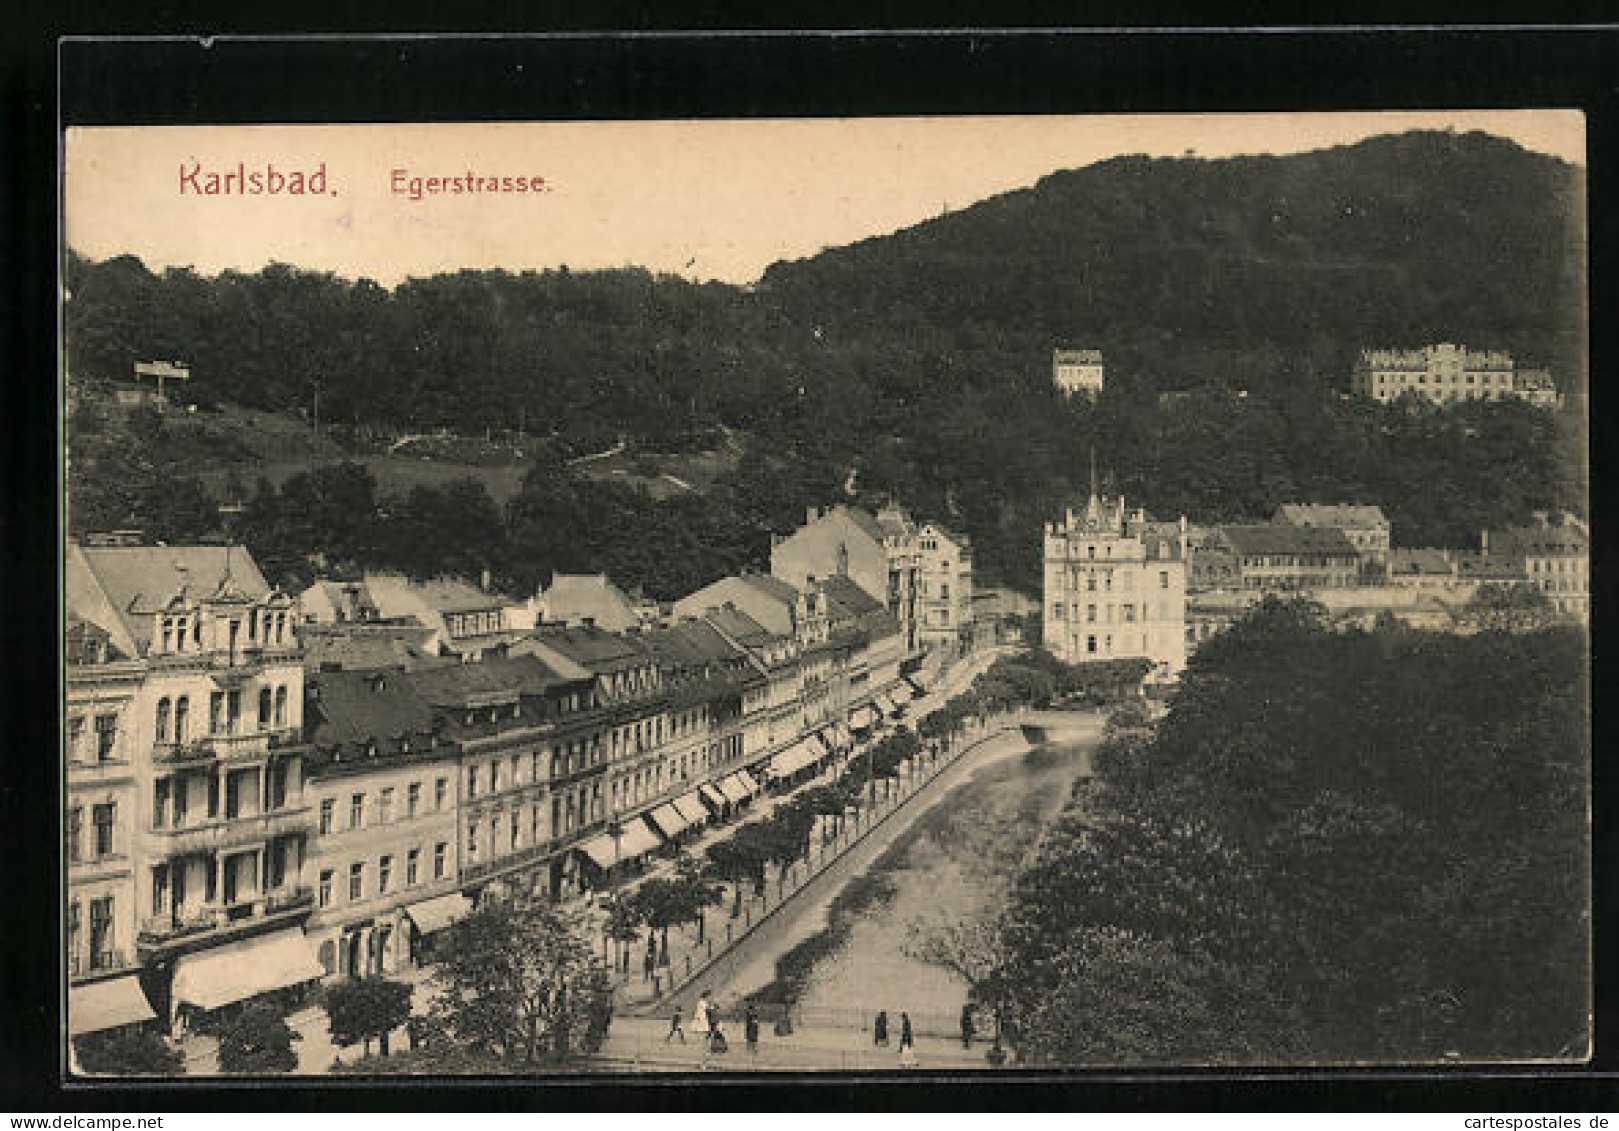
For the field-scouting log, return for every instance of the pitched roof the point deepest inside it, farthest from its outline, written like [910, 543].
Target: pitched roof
[1280, 538]
[359, 706]
[574, 597]
[773, 587]
[441, 595]
[846, 600]
[137, 581]
[493, 680]
[1354, 515]
[594, 649]
[739, 626]
[690, 644]
[860, 518]
[1420, 560]
[368, 644]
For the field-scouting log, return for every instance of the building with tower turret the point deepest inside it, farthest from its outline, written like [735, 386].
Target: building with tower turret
[1115, 586]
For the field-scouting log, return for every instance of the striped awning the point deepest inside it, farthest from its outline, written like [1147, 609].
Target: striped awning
[735, 792]
[106, 1005]
[711, 795]
[435, 914]
[691, 807]
[748, 783]
[793, 759]
[918, 683]
[886, 704]
[864, 717]
[669, 820]
[237, 971]
[901, 694]
[828, 740]
[635, 839]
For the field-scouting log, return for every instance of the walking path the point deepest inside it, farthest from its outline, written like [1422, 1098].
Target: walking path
[638, 1045]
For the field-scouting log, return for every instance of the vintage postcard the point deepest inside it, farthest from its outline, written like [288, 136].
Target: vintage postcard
[946, 595]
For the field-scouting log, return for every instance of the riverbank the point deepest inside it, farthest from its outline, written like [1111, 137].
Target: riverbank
[814, 925]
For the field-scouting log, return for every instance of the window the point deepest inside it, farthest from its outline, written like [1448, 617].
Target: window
[412, 860]
[165, 711]
[472, 840]
[216, 711]
[1090, 582]
[103, 819]
[326, 807]
[101, 939]
[326, 888]
[281, 706]
[75, 825]
[1163, 579]
[233, 710]
[356, 881]
[1090, 613]
[441, 791]
[357, 811]
[264, 707]
[1090, 644]
[472, 781]
[182, 712]
[385, 806]
[106, 736]
[494, 777]
[385, 870]
[516, 832]
[413, 798]
[75, 735]
[440, 855]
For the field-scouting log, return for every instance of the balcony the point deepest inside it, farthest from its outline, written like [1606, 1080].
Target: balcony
[196, 750]
[220, 834]
[193, 928]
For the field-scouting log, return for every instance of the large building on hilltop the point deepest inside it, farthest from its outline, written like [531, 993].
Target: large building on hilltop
[1449, 374]
[1077, 372]
[1115, 587]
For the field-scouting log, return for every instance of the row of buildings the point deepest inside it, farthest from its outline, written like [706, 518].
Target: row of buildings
[1119, 585]
[265, 789]
[1447, 373]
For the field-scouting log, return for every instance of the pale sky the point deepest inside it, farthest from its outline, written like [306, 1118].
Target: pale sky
[705, 199]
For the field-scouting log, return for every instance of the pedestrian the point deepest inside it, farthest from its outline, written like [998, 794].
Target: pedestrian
[701, 1022]
[907, 1039]
[750, 1029]
[879, 1029]
[674, 1028]
[907, 1055]
[967, 1026]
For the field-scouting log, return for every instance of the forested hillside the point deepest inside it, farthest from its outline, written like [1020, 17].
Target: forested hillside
[922, 360]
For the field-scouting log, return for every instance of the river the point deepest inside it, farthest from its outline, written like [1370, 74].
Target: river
[951, 864]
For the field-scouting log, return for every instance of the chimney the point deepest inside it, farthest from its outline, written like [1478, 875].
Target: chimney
[483, 580]
[811, 514]
[1484, 541]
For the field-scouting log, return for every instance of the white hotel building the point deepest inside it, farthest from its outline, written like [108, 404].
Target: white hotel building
[1115, 587]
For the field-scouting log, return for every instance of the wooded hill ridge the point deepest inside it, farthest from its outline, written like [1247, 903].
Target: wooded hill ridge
[922, 359]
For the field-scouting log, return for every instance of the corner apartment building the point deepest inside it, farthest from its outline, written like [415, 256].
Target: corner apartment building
[207, 717]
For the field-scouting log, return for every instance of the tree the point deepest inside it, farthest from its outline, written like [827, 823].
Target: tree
[127, 1052]
[520, 981]
[1508, 608]
[258, 1041]
[366, 1009]
[623, 926]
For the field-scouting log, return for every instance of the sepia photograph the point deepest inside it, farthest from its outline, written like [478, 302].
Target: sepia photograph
[932, 595]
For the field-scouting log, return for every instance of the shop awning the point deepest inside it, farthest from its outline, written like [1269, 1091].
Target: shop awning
[637, 838]
[864, 717]
[691, 807]
[748, 782]
[793, 759]
[886, 705]
[106, 1005]
[735, 792]
[901, 694]
[240, 970]
[711, 795]
[439, 912]
[828, 740]
[669, 820]
[918, 683]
